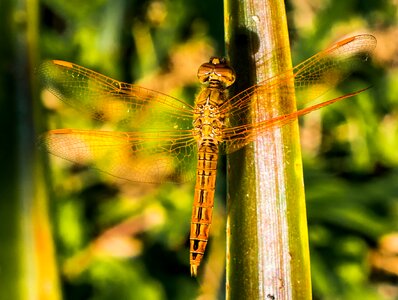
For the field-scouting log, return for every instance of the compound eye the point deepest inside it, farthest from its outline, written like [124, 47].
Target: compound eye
[216, 70]
[204, 72]
[226, 74]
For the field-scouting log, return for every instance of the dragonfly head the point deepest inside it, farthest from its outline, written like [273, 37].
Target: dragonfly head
[216, 72]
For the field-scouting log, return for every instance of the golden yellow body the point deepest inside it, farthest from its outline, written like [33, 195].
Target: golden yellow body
[208, 125]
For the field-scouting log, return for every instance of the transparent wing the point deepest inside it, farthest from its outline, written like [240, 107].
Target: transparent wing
[102, 98]
[143, 157]
[238, 136]
[312, 78]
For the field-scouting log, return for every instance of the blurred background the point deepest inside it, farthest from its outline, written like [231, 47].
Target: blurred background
[71, 232]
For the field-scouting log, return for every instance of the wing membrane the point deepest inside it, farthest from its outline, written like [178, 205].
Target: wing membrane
[155, 142]
[105, 99]
[312, 78]
[142, 157]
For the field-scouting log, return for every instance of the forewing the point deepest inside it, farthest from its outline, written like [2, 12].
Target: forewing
[312, 78]
[142, 157]
[124, 105]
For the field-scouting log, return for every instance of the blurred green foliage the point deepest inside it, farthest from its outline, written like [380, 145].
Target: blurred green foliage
[118, 240]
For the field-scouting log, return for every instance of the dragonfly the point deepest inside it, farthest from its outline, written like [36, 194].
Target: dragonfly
[159, 138]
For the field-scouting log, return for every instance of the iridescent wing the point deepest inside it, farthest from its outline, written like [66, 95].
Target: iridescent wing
[150, 157]
[160, 147]
[312, 78]
[105, 99]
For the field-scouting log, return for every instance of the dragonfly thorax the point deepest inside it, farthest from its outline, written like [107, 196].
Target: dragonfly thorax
[208, 121]
[216, 73]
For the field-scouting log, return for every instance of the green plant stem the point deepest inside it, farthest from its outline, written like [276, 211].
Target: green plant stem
[28, 269]
[267, 238]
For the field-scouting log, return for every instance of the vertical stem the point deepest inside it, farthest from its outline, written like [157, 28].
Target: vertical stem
[9, 260]
[28, 269]
[267, 239]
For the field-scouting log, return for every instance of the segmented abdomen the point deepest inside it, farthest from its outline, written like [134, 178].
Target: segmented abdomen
[203, 202]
